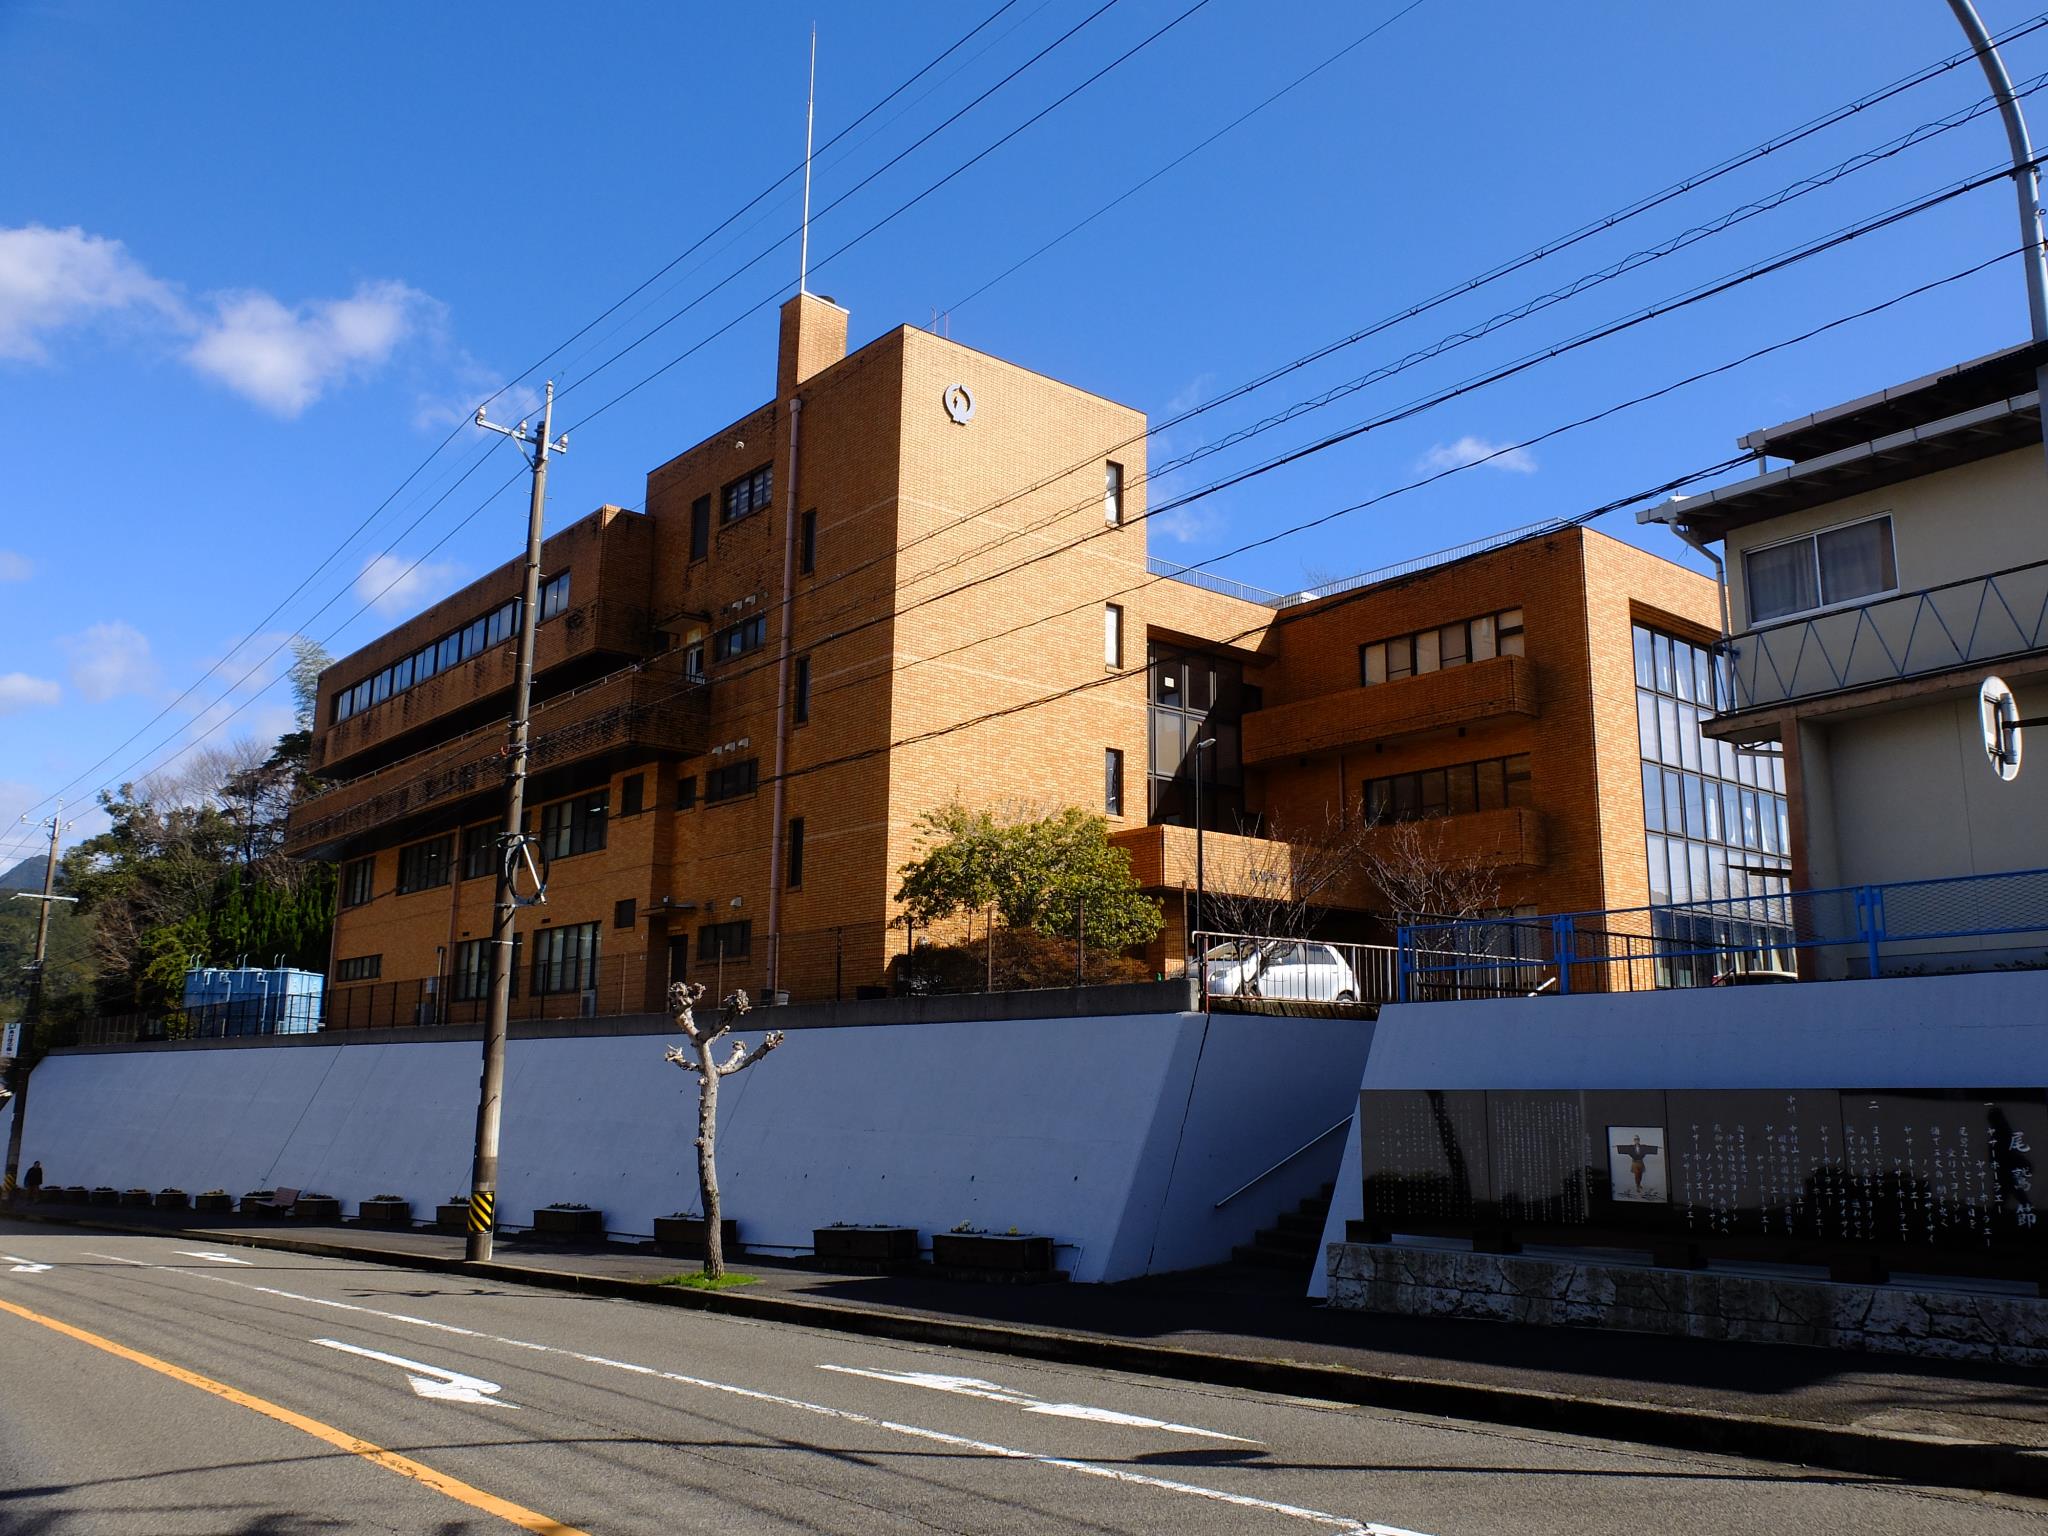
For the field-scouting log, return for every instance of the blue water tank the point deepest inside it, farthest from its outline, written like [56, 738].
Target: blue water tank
[294, 1001]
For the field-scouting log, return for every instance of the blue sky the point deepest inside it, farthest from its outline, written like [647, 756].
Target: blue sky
[257, 261]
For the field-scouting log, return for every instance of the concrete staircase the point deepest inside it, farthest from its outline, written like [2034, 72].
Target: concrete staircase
[1293, 1242]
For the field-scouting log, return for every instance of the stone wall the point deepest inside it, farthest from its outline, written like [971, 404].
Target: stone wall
[2002, 1327]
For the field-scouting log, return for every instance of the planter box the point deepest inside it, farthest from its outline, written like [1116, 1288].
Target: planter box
[213, 1202]
[170, 1200]
[452, 1217]
[105, 1197]
[256, 1203]
[553, 1222]
[865, 1248]
[972, 1255]
[136, 1197]
[389, 1213]
[74, 1194]
[684, 1236]
[317, 1208]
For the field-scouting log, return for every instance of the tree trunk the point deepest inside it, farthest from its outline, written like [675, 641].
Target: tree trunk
[707, 1164]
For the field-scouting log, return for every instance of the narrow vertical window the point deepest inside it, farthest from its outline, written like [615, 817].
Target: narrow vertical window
[807, 543]
[1113, 494]
[1112, 635]
[700, 527]
[796, 852]
[800, 691]
[1113, 781]
[631, 791]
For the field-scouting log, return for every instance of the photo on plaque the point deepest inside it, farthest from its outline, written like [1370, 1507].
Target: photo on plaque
[1636, 1164]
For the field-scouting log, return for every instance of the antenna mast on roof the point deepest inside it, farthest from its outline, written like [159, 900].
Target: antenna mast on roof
[803, 261]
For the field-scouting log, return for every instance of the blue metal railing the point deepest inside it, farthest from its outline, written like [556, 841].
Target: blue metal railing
[1861, 930]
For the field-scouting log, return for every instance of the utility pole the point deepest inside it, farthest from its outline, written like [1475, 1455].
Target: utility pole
[512, 844]
[18, 1070]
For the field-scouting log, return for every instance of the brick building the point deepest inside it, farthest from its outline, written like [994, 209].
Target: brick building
[919, 573]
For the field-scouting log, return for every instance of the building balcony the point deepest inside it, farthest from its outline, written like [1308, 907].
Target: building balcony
[1846, 656]
[1163, 859]
[655, 709]
[1508, 838]
[1498, 687]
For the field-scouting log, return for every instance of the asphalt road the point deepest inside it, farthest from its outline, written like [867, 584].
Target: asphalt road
[155, 1385]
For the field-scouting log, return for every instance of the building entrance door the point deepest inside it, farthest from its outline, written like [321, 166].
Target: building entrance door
[678, 964]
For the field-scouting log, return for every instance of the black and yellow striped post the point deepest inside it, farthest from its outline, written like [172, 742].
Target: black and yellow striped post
[483, 1205]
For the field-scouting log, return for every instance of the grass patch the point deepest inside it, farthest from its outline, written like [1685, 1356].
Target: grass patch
[697, 1280]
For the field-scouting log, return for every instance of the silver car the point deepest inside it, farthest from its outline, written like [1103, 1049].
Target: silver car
[1286, 970]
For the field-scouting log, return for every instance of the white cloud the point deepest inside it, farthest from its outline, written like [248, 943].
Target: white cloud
[393, 585]
[20, 691]
[284, 359]
[53, 278]
[1474, 450]
[14, 567]
[110, 659]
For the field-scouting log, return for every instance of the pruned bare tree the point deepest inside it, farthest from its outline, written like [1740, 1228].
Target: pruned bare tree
[683, 998]
[1424, 879]
[1279, 884]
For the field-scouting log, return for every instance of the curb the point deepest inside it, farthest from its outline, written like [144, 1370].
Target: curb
[1980, 1465]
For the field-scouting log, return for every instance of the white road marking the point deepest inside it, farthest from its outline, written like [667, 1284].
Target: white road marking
[989, 1391]
[23, 1266]
[431, 1380]
[1342, 1523]
[191, 1253]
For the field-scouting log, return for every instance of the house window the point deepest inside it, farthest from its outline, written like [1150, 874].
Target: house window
[737, 639]
[747, 495]
[480, 851]
[1821, 570]
[801, 688]
[1112, 635]
[1447, 645]
[358, 881]
[1491, 785]
[731, 780]
[360, 968]
[625, 913]
[686, 792]
[1113, 494]
[807, 543]
[729, 941]
[565, 959]
[1113, 781]
[796, 852]
[631, 789]
[570, 827]
[472, 979]
[554, 596]
[422, 866]
[700, 527]
[693, 662]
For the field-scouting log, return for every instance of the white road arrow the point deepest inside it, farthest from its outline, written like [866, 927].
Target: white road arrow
[974, 1386]
[431, 1380]
[22, 1266]
[218, 1258]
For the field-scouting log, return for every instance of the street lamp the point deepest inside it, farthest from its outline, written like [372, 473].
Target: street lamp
[1195, 923]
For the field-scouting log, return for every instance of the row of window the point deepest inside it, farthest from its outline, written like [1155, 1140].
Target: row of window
[1483, 786]
[1715, 811]
[451, 649]
[1448, 645]
[735, 640]
[567, 828]
[359, 968]
[564, 960]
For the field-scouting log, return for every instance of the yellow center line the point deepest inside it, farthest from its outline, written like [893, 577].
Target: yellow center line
[391, 1461]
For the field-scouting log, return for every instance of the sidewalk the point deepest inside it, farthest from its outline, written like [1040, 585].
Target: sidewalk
[1960, 1424]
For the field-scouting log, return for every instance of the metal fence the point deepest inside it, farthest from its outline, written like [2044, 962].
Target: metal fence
[1915, 927]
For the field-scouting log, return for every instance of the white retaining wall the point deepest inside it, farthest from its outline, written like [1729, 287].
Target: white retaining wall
[1987, 1030]
[1114, 1135]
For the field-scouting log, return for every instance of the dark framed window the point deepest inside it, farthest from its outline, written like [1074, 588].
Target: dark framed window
[700, 527]
[1113, 781]
[729, 940]
[796, 852]
[1113, 635]
[453, 648]
[565, 959]
[807, 543]
[1113, 494]
[359, 968]
[554, 596]
[1447, 645]
[1489, 785]
[729, 781]
[800, 691]
[735, 640]
[570, 827]
[686, 792]
[625, 913]
[422, 866]
[358, 881]
[747, 495]
[631, 790]
[1821, 570]
[480, 851]
[472, 978]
